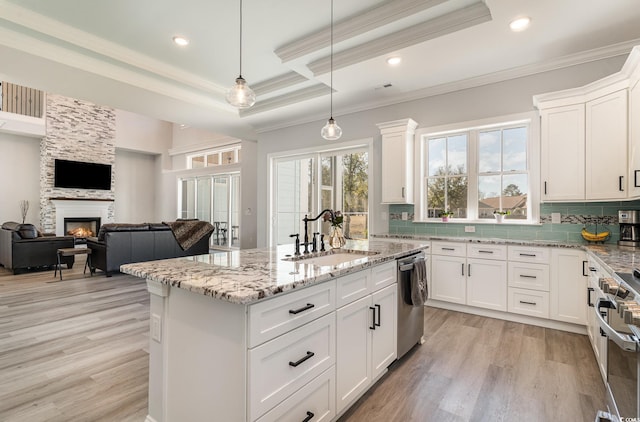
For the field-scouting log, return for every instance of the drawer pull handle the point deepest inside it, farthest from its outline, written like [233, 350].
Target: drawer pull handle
[377, 324]
[373, 321]
[448, 249]
[589, 290]
[532, 255]
[301, 360]
[304, 308]
[527, 276]
[485, 251]
[310, 416]
[524, 302]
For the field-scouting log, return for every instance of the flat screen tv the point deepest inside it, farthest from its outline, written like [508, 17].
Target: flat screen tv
[80, 175]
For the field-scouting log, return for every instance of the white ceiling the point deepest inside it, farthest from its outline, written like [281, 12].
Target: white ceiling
[120, 53]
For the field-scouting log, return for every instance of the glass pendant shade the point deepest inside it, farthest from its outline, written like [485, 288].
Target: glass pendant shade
[240, 95]
[331, 131]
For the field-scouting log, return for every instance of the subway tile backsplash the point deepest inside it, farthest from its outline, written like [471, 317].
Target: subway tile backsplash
[573, 216]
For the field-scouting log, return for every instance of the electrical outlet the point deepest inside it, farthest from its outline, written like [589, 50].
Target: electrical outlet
[556, 218]
[469, 229]
[156, 328]
[405, 216]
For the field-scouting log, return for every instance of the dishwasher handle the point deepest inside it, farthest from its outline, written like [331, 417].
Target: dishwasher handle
[404, 267]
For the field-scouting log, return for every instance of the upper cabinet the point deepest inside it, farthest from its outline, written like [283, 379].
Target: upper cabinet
[397, 161]
[606, 139]
[590, 145]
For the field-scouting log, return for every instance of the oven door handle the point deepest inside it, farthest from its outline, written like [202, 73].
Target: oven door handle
[624, 341]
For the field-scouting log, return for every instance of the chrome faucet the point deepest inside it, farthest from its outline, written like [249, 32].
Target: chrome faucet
[306, 220]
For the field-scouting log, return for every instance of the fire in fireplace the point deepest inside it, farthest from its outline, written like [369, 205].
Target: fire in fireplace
[81, 227]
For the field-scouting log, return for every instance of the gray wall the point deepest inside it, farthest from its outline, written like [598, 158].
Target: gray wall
[136, 187]
[19, 177]
[508, 97]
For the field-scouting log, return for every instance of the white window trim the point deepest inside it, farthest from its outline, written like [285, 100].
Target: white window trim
[342, 148]
[218, 151]
[533, 162]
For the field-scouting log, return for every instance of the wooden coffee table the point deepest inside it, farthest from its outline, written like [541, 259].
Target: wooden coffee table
[72, 252]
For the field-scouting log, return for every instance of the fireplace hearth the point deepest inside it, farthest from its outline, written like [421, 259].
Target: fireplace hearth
[81, 228]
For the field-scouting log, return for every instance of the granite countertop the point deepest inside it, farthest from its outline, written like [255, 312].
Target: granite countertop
[486, 240]
[249, 275]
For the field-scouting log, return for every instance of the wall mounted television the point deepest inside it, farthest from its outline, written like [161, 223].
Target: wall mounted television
[80, 175]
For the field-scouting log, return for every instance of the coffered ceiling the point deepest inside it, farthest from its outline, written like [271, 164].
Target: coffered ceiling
[120, 52]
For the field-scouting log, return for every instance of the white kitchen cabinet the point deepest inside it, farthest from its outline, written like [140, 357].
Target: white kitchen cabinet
[598, 341]
[384, 336]
[397, 161]
[354, 351]
[487, 283]
[366, 343]
[606, 139]
[634, 141]
[568, 288]
[449, 282]
[563, 153]
[528, 302]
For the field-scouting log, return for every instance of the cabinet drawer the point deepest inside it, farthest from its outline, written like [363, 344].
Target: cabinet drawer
[383, 275]
[316, 401]
[276, 316]
[449, 248]
[282, 366]
[352, 287]
[487, 251]
[529, 254]
[528, 302]
[529, 276]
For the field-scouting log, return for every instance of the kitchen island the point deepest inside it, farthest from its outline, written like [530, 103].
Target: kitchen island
[252, 334]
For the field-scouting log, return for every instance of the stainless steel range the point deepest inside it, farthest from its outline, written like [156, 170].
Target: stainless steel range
[619, 318]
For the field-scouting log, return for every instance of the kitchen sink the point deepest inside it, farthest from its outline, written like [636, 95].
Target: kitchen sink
[332, 258]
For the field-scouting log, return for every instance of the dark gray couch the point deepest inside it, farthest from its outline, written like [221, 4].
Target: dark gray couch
[119, 244]
[22, 248]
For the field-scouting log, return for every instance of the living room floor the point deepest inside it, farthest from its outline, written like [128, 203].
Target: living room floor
[76, 350]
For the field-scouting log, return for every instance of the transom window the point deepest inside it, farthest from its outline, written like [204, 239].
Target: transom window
[227, 155]
[475, 172]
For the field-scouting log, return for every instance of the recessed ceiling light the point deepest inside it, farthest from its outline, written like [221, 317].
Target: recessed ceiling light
[394, 60]
[520, 24]
[181, 41]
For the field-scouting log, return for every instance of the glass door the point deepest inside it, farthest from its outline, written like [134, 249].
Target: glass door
[221, 210]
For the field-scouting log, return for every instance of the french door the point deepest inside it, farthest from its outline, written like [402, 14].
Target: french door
[215, 199]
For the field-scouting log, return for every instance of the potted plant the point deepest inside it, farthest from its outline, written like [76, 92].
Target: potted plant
[445, 215]
[499, 215]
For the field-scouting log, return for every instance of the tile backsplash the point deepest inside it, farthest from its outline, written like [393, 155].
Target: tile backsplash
[573, 216]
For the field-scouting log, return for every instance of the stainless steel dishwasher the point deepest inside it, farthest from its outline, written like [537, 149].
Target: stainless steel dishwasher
[410, 318]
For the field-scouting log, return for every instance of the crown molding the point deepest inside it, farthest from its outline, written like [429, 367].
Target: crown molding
[303, 94]
[279, 82]
[57, 30]
[353, 26]
[67, 57]
[587, 56]
[455, 21]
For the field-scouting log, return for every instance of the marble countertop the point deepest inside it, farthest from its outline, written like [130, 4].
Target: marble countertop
[249, 275]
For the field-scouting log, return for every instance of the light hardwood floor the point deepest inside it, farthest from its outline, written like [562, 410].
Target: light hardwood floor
[76, 350]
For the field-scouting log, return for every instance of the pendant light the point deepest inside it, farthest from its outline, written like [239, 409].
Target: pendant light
[240, 95]
[331, 131]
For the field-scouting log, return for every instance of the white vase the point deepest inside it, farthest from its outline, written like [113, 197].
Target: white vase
[499, 218]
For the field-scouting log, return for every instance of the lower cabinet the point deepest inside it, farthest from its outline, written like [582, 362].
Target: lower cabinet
[568, 287]
[487, 284]
[449, 282]
[598, 341]
[366, 339]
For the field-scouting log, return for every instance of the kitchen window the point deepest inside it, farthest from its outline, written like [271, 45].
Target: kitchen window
[476, 171]
[306, 184]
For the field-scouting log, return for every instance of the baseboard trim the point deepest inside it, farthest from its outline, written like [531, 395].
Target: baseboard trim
[507, 316]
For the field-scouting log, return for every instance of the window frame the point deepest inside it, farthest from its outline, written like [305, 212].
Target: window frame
[473, 128]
